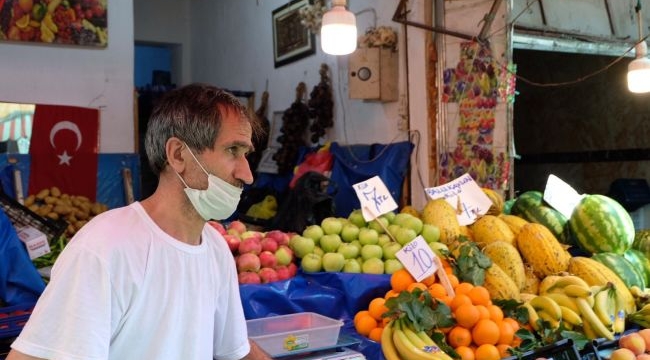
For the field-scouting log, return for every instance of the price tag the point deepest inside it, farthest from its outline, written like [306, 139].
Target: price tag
[418, 258]
[374, 197]
[465, 196]
[561, 196]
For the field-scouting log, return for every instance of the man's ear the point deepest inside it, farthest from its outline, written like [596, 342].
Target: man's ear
[173, 150]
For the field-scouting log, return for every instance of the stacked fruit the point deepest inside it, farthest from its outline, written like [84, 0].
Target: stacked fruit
[355, 246]
[467, 322]
[633, 346]
[261, 257]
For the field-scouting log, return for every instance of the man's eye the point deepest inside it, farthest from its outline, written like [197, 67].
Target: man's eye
[237, 151]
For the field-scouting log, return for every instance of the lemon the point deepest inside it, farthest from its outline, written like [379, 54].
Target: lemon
[23, 22]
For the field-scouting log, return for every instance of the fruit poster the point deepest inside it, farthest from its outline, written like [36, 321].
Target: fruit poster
[71, 22]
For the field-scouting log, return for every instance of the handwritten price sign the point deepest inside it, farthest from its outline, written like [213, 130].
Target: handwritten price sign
[465, 196]
[418, 258]
[374, 197]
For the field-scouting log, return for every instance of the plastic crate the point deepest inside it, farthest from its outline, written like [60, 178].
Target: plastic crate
[282, 334]
[20, 216]
[560, 350]
[13, 319]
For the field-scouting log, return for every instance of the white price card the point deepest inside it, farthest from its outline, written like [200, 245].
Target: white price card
[418, 258]
[561, 196]
[374, 197]
[465, 196]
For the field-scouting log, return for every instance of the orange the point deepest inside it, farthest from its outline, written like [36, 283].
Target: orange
[437, 291]
[487, 352]
[459, 336]
[484, 312]
[504, 350]
[467, 315]
[447, 300]
[391, 293]
[513, 323]
[430, 280]
[401, 279]
[464, 288]
[416, 285]
[377, 308]
[496, 314]
[453, 280]
[365, 324]
[479, 295]
[375, 334]
[360, 314]
[465, 353]
[485, 331]
[506, 333]
[459, 300]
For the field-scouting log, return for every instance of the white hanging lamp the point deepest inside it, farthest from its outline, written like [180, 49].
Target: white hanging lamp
[638, 71]
[338, 34]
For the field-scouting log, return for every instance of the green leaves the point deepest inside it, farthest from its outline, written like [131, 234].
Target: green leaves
[471, 263]
[419, 310]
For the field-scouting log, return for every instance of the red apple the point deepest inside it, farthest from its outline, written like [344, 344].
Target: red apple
[268, 275]
[250, 245]
[233, 242]
[284, 254]
[283, 272]
[279, 236]
[219, 226]
[293, 269]
[268, 259]
[236, 226]
[248, 277]
[248, 262]
[269, 244]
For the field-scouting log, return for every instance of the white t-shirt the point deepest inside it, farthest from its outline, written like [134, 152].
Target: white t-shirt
[124, 289]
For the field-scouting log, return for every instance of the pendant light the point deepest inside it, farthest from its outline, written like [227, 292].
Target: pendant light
[338, 32]
[638, 71]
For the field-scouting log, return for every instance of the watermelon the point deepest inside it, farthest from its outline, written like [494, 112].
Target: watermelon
[600, 224]
[531, 206]
[629, 273]
[642, 242]
[640, 261]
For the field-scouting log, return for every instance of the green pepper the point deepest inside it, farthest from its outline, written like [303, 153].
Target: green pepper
[38, 11]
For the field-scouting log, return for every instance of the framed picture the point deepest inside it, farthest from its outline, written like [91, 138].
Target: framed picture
[291, 39]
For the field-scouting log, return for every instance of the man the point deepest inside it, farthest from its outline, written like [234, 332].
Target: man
[151, 280]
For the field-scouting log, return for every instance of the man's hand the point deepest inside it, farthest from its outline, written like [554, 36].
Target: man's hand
[256, 353]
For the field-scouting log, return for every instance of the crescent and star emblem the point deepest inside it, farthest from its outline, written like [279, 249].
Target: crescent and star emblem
[65, 158]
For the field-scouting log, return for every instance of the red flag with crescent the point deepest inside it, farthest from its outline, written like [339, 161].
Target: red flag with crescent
[63, 150]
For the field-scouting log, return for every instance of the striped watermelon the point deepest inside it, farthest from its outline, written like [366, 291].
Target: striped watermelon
[622, 267]
[531, 207]
[641, 262]
[600, 224]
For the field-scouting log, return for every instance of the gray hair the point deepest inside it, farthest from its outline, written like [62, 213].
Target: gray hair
[192, 113]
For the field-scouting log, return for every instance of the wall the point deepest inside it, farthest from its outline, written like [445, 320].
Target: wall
[80, 76]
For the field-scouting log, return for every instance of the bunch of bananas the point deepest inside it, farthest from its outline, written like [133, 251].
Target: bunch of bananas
[641, 317]
[596, 311]
[265, 209]
[641, 296]
[401, 341]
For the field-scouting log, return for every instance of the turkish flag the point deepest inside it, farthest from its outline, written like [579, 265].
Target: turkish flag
[63, 149]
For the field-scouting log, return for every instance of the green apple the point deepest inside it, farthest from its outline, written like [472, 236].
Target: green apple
[430, 233]
[314, 232]
[331, 225]
[390, 249]
[302, 246]
[405, 235]
[349, 232]
[357, 244]
[379, 224]
[414, 223]
[373, 266]
[401, 218]
[392, 265]
[348, 250]
[392, 228]
[311, 263]
[352, 266]
[371, 251]
[383, 239]
[333, 262]
[330, 242]
[356, 217]
[439, 249]
[318, 251]
[368, 236]
[390, 216]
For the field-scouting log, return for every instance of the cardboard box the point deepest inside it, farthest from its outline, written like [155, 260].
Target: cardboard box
[35, 241]
[373, 74]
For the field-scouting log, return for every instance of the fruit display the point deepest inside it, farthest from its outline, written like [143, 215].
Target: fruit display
[261, 257]
[353, 245]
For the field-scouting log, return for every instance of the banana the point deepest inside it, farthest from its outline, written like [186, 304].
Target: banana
[570, 317]
[428, 341]
[566, 280]
[605, 306]
[577, 291]
[407, 350]
[588, 315]
[619, 320]
[533, 317]
[548, 318]
[428, 346]
[564, 300]
[548, 305]
[387, 345]
[588, 330]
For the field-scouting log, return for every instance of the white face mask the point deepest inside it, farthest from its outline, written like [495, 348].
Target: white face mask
[218, 201]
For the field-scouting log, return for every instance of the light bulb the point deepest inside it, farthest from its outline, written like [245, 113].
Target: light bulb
[338, 32]
[638, 71]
